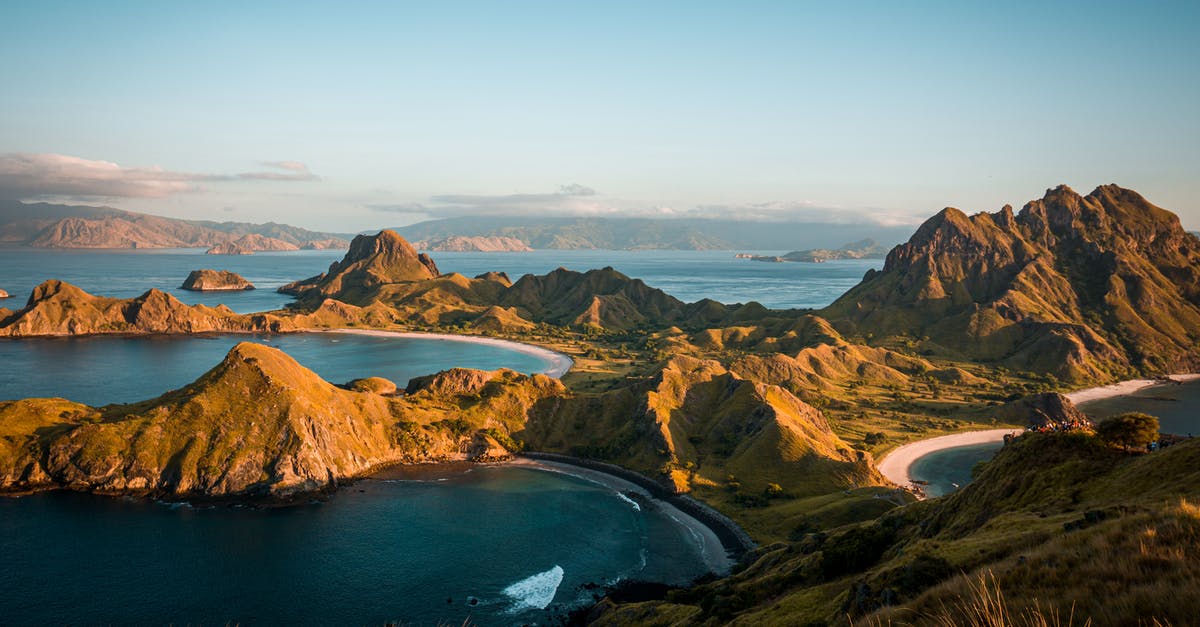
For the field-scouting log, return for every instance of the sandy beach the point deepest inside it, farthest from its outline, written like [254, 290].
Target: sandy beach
[895, 465]
[711, 549]
[1124, 387]
[558, 363]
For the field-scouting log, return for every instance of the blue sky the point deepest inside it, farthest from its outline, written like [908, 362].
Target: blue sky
[349, 116]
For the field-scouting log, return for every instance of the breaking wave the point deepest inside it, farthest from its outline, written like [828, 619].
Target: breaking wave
[536, 592]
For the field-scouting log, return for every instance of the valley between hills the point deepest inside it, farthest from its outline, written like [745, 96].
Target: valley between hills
[774, 418]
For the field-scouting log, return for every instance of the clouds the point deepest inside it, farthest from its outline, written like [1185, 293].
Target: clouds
[30, 175]
[580, 201]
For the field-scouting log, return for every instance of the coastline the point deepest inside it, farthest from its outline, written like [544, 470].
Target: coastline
[558, 363]
[1123, 388]
[720, 540]
[895, 466]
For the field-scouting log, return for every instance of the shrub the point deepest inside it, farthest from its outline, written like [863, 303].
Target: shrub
[1131, 430]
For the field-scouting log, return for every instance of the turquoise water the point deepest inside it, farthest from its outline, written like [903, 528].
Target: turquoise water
[949, 469]
[101, 370]
[379, 551]
[687, 275]
[1174, 405]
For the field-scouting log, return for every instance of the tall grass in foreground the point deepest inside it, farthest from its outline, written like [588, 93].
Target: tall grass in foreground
[1138, 569]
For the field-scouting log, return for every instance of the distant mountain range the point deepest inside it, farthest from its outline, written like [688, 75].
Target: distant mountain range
[648, 233]
[45, 225]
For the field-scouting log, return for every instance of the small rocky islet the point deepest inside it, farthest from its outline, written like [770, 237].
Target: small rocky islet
[215, 281]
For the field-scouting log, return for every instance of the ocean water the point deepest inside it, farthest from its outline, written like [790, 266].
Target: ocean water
[1174, 405]
[105, 369]
[949, 469]
[524, 544]
[687, 275]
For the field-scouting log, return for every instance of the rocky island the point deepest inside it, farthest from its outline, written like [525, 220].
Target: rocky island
[775, 418]
[215, 281]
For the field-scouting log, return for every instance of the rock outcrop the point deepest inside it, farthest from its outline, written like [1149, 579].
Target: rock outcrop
[258, 424]
[58, 308]
[371, 262]
[1086, 288]
[216, 281]
[3, 294]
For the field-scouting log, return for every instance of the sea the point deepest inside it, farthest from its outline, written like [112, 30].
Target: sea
[687, 275]
[496, 545]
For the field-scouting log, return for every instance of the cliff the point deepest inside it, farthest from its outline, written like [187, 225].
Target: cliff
[473, 244]
[258, 424]
[215, 280]
[1083, 287]
[58, 308]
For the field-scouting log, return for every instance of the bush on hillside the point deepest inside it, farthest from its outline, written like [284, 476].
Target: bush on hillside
[1131, 430]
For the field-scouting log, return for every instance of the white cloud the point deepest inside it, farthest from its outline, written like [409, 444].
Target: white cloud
[29, 175]
[580, 201]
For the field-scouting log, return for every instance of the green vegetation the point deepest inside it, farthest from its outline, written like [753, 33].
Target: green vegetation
[1130, 431]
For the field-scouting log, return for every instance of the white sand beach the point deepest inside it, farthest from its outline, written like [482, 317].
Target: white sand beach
[1124, 387]
[896, 465]
[558, 363]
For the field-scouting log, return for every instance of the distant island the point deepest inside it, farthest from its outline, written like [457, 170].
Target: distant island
[619, 233]
[862, 249]
[482, 244]
[45, 225]
[775, 417]
[215, 281]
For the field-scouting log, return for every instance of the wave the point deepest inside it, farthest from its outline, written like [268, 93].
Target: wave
[536, 592]
[630, 501]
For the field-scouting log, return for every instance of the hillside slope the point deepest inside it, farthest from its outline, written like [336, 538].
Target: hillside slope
[1085, 287]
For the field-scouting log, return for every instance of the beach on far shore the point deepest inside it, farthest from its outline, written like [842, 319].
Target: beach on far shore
[558, 363]
[1122, 388]
[895, 466]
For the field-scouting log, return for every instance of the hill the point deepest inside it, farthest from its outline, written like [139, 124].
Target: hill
[258, 424]
[461, 244]
[646, 233]
[1056, 526]
[1083, 287]
[47, 225]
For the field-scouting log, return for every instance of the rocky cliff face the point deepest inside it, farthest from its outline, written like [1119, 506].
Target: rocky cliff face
[1085, 287]
[215, 280]
[58, 308]
[371, 262]
[258, 424]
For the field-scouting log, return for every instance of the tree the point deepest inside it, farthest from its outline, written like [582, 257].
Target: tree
[1132, 430]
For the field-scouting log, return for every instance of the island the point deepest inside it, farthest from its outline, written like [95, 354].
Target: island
[215, 281]
[862, 249]
[775, 419]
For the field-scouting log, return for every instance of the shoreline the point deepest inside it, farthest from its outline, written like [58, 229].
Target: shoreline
[1125, 388]
[722, 542]
[558, 364]
[895, 466]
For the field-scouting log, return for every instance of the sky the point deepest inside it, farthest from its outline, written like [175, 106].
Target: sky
[349, 116]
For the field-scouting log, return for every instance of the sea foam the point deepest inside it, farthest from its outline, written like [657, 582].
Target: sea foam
[536, 592]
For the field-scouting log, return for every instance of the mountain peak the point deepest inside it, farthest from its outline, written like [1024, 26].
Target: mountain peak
[371, 262]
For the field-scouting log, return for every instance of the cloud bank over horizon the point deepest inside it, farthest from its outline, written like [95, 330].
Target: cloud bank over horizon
[581, 201]
[42, 176]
